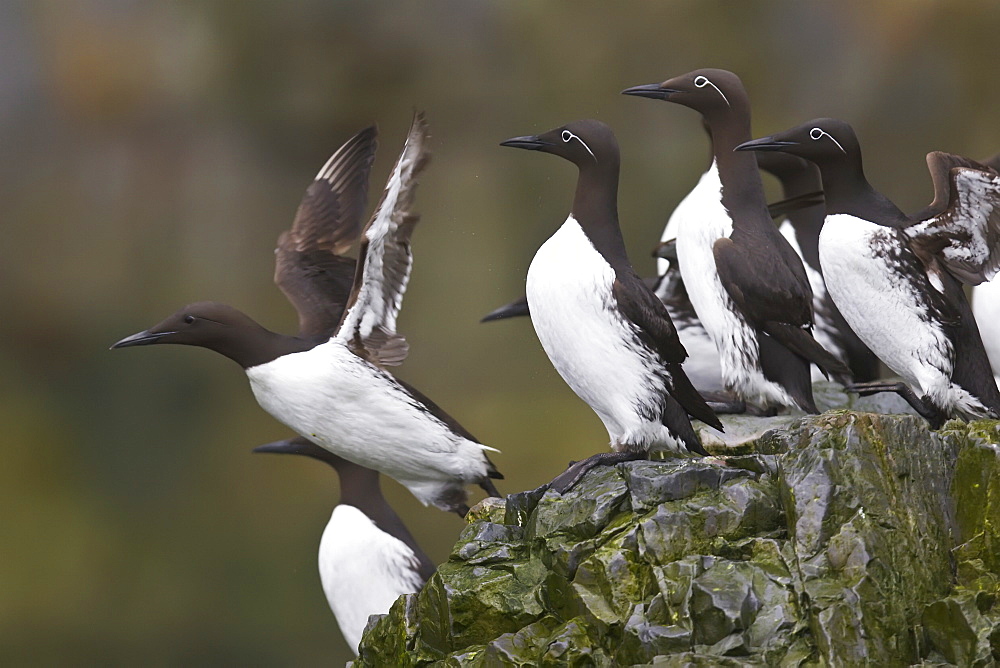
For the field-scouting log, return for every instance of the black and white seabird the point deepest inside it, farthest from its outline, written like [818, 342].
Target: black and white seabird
[329, 383]
[745, 281]
[801, 227]
[604, 330]
[367, 557]
[897, 279]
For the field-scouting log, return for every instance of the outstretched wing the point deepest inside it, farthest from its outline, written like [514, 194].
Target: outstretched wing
[309, 264]
[965, 237]
[369, 325]
[940, 164]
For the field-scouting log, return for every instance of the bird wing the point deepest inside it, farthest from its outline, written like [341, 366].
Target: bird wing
[763, 291]
[369, 324]
[776, 302]
[940, 164]
[646, 312]
[965, 237]
[309, 264]
[637, 303]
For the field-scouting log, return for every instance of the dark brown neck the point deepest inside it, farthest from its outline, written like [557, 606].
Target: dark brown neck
[360, 487]
[595, 208]
[742, 189]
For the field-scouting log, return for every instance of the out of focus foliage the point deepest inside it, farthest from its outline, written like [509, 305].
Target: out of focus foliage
[150, 153]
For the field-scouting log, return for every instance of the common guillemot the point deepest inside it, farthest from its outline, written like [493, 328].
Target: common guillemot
[328, 384]
[745, 281]
[897, 279]
[367, 557]
[801, 227]
[604, 330]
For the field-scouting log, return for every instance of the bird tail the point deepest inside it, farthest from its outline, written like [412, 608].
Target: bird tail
[676, 419]
[690, 399]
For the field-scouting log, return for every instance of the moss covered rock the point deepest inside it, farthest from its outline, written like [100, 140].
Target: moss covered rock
[840, 539]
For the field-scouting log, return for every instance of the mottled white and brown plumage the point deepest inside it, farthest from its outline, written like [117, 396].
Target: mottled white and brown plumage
[897, 279]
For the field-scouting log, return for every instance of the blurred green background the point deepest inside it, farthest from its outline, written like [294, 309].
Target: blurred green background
[150, 153]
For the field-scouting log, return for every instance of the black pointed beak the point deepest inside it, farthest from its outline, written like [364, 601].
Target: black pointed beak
[652, 91]
[289, 446]
[529, 142]
[143, 338]
[511, 310]
[666, 250]
[765, 144]
[297, 446]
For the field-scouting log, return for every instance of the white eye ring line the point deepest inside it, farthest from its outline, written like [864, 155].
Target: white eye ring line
[567, 136]
[701, 81]
[818, 133]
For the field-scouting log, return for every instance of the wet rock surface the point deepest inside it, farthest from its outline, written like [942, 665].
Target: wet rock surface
[840, 539]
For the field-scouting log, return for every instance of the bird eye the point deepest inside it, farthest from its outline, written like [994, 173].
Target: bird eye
[815, 134]
[567, 135]
[189, 319]
[701, 81]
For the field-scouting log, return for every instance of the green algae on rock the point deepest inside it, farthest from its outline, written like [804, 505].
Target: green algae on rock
[858, 539]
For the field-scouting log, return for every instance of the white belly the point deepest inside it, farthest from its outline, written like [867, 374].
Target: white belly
[702, 220]
[342, 403]
[363, 570]
[593, 348]
[882, 305]
[986, 308]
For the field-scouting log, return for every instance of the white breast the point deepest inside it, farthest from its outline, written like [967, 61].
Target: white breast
[342, 403]
[701, 221]
[363, 570]
[825, 332]
[593, 348]
[882, 304]
[986, 308]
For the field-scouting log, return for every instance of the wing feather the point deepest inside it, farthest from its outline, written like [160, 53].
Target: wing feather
[965, 237]
[369, 324]
[309, 264]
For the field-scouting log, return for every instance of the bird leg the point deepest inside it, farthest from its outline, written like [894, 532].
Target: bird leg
[920, 404]
[565, 481]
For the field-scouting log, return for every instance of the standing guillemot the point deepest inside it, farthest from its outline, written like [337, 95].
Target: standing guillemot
[896, 279]
[745, 281]
[801, 227]
[367, 557]
[328, 384]
[604, 330]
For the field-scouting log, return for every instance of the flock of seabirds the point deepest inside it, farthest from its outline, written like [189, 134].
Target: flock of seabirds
[742, 315]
